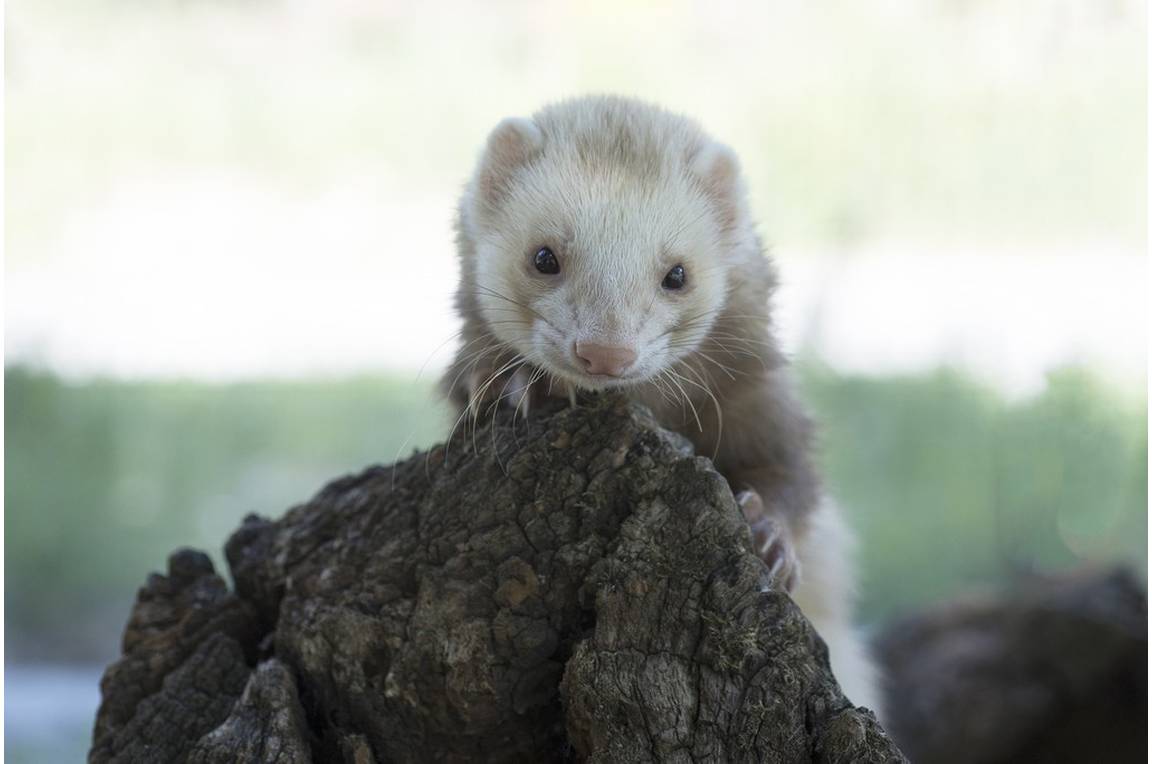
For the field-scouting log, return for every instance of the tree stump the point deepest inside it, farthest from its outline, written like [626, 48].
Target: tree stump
[575, 587]
[1055, 671]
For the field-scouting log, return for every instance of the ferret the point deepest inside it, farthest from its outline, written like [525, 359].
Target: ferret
[607, 244]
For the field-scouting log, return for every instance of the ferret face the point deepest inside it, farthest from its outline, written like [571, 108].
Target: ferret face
[602, 274]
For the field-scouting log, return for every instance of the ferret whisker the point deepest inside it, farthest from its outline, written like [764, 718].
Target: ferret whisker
[472, 359]
[439, 347]
[734, 340]
[412, 430]
[747, 316]
[682, 324]
[536, 376]
[495, 406]
[509, 322]
[465, 366]
[739, 338]
[676, 379]
[502, 309]
[476, 403]
[532, 380]
[676, 398]
[735, 350]
[746, 343]
[732, 351]
[690, 342]
[740, 352]
[486, 291]
[662, 386]
[494, 293]
[723, 367]
[482, 391]
[469, 361]
[716, 405]
[724, 314]
[468, 365]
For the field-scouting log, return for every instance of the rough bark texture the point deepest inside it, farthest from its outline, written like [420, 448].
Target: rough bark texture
[1056, 672]
[187, 648]
[577, 587]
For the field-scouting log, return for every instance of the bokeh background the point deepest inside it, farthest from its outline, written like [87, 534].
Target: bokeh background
[229, 257]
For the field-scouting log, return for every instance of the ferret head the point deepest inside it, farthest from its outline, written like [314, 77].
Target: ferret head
[599, 239]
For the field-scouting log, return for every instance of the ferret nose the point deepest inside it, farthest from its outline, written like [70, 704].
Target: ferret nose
[609, 360]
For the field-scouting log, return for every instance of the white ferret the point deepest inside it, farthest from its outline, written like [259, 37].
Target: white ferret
[606, 243]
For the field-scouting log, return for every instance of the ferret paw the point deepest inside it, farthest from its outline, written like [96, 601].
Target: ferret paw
[771, 540]
[510, 390]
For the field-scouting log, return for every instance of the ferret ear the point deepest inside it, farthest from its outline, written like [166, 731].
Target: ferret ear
[510, 145]
[718, 170]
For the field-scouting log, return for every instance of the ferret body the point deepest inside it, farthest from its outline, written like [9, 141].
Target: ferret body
[606, 243]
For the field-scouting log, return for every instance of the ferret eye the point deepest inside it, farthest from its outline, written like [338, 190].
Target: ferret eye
[546, 262]
[675, 278]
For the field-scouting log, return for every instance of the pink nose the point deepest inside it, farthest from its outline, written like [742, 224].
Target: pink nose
[609, 360]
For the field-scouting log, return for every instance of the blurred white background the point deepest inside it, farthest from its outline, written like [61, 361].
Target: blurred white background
[236, 189]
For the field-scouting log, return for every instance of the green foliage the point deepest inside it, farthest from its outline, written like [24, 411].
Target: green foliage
[104, 478]
[952, 487]
[949, 485]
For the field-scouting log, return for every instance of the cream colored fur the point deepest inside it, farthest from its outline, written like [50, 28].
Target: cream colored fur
[826, 592]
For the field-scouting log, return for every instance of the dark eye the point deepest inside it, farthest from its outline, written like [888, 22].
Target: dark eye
[546, 262]
[675, 278]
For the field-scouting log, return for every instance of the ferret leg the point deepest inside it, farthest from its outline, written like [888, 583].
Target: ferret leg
[771, 540]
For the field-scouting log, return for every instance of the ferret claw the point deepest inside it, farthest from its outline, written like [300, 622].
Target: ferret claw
[770, 540]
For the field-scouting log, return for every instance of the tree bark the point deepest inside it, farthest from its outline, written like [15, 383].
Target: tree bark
[576, 587]
[1056, 671]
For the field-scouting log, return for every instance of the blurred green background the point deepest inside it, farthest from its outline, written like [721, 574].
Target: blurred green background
[949, 485]
[228, 255]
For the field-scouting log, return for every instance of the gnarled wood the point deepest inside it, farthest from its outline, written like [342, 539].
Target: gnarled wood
[1055, 671]
[574, 587]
